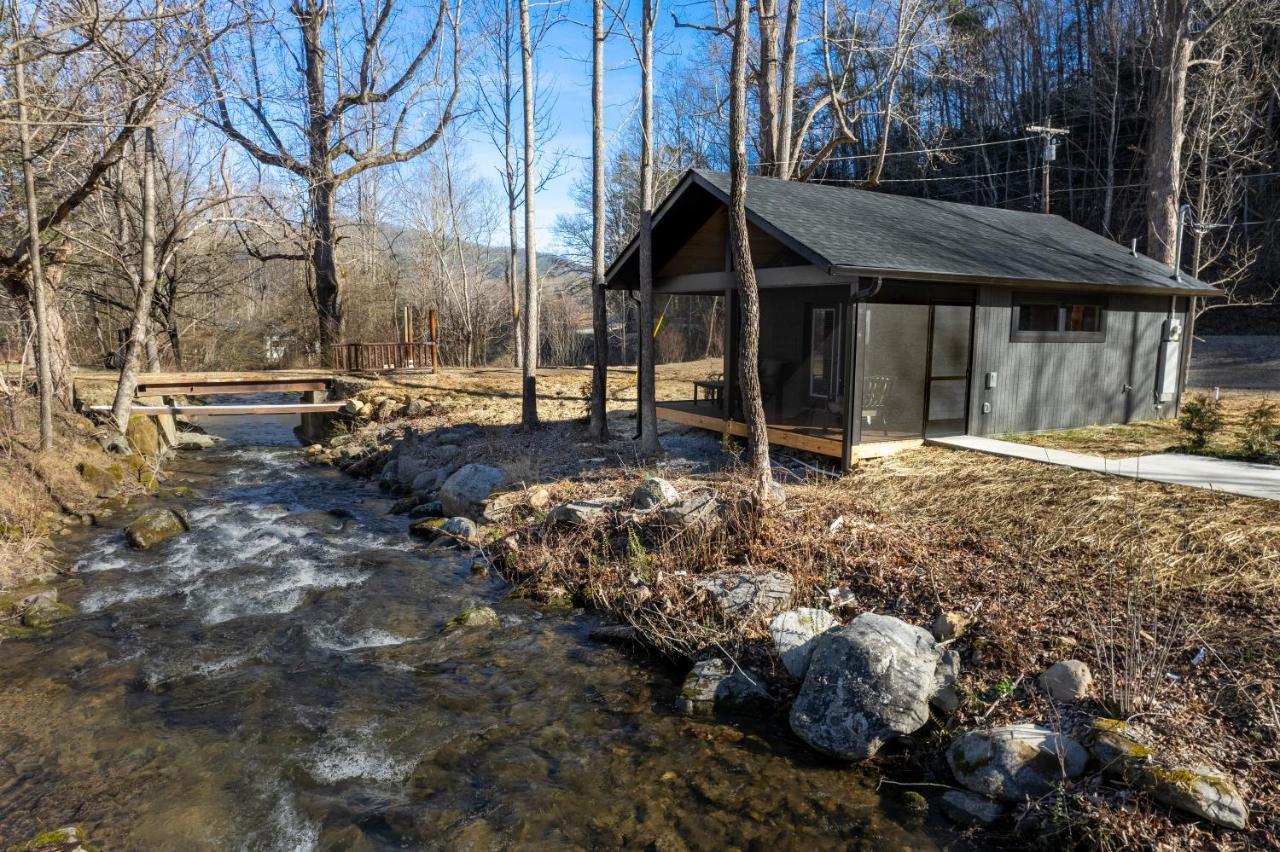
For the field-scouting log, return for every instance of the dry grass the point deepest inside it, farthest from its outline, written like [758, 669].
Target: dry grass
[1154, 436]
[37, 490]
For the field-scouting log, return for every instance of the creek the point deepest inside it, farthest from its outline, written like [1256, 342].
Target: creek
[280, 678]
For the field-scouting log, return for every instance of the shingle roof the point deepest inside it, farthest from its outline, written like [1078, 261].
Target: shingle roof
[877, 233]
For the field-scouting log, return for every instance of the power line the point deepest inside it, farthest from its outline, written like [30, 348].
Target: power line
[905, 153]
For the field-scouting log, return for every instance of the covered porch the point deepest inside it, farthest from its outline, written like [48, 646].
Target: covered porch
[843, 373]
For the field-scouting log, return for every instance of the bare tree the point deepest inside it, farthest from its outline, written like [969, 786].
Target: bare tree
[599, 310]
[646, 400]
[529, 389]
[321, 155]
[39, 301]
[1179, 26]
[740, 247]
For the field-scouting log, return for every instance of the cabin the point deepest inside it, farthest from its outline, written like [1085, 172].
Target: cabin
[886, 321]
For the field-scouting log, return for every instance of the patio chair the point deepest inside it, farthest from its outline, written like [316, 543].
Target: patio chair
[875, 394]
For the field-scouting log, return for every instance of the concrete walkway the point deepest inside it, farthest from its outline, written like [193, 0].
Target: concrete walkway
[1234, 477]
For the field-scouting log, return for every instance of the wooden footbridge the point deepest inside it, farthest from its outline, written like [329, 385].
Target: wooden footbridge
[96, 389]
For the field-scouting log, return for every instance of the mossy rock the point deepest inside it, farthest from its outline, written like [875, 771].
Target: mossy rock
[1116, 748]
[68, 839]
[429, 528]
[142, 472]
[143, 435]
[100, 481]
[45, 616]
[481, 616]
[155, 525]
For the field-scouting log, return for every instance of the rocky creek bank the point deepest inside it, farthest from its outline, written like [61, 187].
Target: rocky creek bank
[853, 684]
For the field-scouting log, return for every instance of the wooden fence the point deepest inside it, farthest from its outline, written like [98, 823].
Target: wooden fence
[384, 357]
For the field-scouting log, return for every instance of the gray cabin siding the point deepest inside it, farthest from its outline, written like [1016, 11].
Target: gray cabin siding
[1042, 386]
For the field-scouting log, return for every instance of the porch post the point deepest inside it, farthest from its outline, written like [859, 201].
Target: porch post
[855, 344]
[730, 341]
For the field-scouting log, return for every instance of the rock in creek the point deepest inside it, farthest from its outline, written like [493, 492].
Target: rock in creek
[970, 809]
[654, 493]
[430, 509]
[795, 633]
[481, 616]
[45, 614]
[717, 684]
[196, 441]
[1012, 762]
[69, 839]
[749, 595]
[867, 683]
[434, 529]
[155, 525]
[465, 492]
[1068, 680]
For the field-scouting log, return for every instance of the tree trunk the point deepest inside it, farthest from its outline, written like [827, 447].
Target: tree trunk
[38, 302]
[740, 247]
[646, 400]
[1164, 155]
[509, 166]
[328, 288]
[529, 395]
[767, 86]
[599, 313]
[139, 328]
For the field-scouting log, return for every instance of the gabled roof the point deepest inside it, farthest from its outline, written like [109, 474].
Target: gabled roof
[854, 231]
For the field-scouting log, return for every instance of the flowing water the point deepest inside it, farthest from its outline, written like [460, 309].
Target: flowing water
[278, 678]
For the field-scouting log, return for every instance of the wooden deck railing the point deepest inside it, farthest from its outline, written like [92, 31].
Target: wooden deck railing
[384, 357]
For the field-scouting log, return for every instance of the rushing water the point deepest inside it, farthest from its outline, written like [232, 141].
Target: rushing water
[278, 678]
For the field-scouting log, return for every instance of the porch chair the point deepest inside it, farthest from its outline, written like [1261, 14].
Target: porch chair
[875, 394]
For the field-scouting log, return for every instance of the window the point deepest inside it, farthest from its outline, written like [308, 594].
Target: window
[1066, 319]
[824, 353]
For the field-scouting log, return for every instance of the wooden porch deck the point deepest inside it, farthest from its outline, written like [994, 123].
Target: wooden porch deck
[823, 440]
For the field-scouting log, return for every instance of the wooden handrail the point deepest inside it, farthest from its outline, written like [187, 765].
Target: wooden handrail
[384, 357]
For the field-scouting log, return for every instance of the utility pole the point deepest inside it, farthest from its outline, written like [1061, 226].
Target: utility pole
[1048, 153]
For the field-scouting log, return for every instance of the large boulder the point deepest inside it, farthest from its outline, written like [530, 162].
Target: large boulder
[717, 684]
[1012, 762]
[795, 633]
[465, 492]
[745, 594]
[155, 525]
[867, 683]
[654, 493]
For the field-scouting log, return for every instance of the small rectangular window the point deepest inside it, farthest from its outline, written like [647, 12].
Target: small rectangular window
[1042, 318]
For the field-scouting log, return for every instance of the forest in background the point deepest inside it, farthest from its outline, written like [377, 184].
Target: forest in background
[259, 170]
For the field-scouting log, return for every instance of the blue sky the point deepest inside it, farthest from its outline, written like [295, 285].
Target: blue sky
[564, 70]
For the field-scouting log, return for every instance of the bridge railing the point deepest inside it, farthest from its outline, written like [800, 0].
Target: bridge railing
[384, 357]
